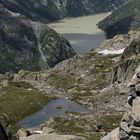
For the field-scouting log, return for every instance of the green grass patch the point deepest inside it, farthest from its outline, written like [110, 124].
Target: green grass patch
[18, 101]
[67, 126]
[61, 80]
[110, 122]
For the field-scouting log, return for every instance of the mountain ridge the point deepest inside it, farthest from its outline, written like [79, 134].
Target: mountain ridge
[21, 47]
[48, 10]
[122, 20]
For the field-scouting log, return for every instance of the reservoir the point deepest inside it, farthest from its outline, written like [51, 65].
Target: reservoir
[82, 32]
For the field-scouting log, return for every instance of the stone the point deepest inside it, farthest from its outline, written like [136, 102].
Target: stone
[73, 91]
[133, 138]
[23, 133]
[136, 110]
[127, 117]
[4, 83]
[138, 75]
[132, 92]
[137, 86]
[123, 135]
[9, 75]
[47, 130]
[130, 100]
[125, 126]
[2, 77]
[135, 130]
[112, 135]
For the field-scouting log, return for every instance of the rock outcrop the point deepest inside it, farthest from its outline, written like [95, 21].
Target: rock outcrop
[122, 20]
[113, 135]
[130, 125]
[54, 48]
[120, 41]
[26, 44]
[128, 63]
[127, 73]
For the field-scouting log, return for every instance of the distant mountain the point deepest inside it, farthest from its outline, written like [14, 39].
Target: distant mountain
[83, 7]
[25, 40]
[123, 19]
[44, 10]
[49, 10]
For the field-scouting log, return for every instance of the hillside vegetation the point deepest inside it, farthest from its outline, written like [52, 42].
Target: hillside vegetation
[49, 10]
[123, 19]
[20, 43]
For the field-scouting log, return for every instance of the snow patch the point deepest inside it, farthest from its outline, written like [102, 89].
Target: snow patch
[107, 52]
[38, 132]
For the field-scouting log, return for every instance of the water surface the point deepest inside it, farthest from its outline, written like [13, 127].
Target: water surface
[85, 42]
[82, 32]
[55, 108]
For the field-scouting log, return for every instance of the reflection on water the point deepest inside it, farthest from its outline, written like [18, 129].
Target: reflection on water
[55, 108]
[84, 42]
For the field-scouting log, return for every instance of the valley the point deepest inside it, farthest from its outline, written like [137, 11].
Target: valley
[82, 32]
[69, 70]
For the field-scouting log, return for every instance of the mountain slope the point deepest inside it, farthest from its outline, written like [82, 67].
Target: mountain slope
[49, 10]
[21, 47]
[36, 10]
[123, 19]
[18, 45]
[82, 7]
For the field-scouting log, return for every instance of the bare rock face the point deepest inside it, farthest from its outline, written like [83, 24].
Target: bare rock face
[54, 48]
[128, 73]
[128, 63]
[130, 125]
[120, 41]
[27, 43]
[136, 110]
[112, 135]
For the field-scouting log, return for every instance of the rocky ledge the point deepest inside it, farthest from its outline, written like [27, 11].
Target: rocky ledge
[130, 125]
[127, 74]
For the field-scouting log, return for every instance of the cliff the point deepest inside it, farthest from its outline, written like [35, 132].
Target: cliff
[50, 10]
[23, 41]
[122, 20]
[127, 74]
